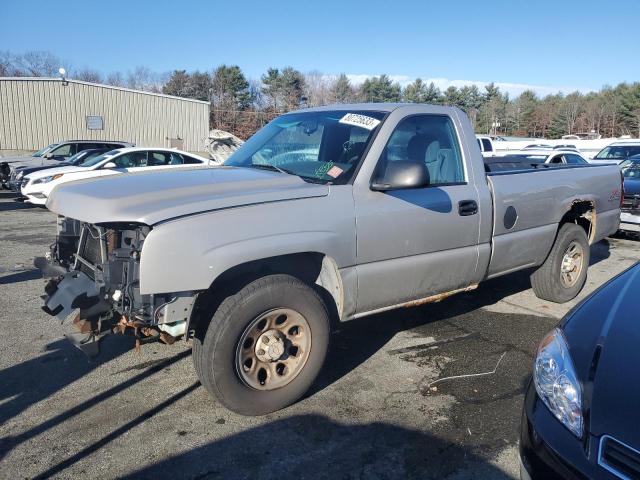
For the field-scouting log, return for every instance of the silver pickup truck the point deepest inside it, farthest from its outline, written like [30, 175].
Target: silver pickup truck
[324, 215]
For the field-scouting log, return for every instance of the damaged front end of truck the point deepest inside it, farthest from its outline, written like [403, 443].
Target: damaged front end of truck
[94, 287]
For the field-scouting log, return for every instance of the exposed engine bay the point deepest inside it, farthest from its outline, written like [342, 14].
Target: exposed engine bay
[95, 287]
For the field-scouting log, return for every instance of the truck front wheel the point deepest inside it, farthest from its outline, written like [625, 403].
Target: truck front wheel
[264, 346]
[563, 274]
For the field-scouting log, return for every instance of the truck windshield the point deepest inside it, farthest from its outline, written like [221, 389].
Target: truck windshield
[323, 147]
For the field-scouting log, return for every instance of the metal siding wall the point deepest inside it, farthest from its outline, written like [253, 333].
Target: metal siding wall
[35, 113]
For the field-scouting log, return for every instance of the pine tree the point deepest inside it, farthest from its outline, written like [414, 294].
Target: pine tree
[415, 92]
[230, 88]
[342, 91]
[178, 84]
[380, 89]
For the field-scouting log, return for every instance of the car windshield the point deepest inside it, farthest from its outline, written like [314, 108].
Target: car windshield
[83, 156]
[630, 169]
[91, 162]
[322, 147]
[618, 152]
[44, 150]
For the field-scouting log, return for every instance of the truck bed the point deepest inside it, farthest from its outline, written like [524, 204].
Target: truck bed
[529, 201]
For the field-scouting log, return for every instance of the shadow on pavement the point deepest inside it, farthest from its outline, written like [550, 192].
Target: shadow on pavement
[313, 446]
[357, 340]
[119, 431]
[34, 380]
[9, 206]
[21, 277]
[600, 251]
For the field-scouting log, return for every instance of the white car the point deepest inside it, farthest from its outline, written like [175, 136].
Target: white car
[617, 152]
[36, 187]
[485, 142]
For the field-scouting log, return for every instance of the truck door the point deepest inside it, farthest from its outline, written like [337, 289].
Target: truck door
[414, 243]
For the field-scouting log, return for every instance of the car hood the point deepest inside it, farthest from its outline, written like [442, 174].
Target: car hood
[631, 186]
[31, 162]
[21, 158]
[153, 197]
[27, 170]
[604, 340]
[46, 172]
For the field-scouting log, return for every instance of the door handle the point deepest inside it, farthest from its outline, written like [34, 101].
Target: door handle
[467, 207]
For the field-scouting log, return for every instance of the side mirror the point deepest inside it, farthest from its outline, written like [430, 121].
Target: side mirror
[401, 174]
[109, 165]
[48, 156]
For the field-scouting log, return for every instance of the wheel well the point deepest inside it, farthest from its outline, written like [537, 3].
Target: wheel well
[315, 269]
[582, 213]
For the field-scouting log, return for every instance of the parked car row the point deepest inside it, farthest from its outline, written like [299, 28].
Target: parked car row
[53, 155]
[36, 187]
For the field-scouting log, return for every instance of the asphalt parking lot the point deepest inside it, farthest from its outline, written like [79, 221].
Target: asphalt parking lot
[386, 405]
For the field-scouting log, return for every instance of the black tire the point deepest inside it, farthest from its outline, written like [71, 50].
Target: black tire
[546, 280]
[214, 353]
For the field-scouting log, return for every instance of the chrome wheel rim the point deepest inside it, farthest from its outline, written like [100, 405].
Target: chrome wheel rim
[273, 349]
[572, 264]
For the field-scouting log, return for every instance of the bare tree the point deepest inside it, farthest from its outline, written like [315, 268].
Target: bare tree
[317, 88]
[38, 64]
[7, 64]
[116, 79]
[142, 78]
[88, 75]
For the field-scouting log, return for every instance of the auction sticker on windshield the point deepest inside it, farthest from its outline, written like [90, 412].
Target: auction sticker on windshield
[360, 121]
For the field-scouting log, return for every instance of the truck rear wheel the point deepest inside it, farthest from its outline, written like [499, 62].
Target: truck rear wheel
[563, 274]
[264, 346]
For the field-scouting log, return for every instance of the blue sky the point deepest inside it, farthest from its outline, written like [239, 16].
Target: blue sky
[551, 45]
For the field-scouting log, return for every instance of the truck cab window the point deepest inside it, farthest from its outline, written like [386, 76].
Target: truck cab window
[487, 145]
[430, 140]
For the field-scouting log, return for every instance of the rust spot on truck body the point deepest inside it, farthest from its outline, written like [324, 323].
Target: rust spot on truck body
[439, 297]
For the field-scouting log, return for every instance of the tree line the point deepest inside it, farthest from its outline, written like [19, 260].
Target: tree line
[242, 105]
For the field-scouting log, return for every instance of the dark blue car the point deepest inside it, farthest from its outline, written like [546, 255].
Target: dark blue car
[581, 415]
[630, 209]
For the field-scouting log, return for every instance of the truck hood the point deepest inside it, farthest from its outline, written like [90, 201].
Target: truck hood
[153, 197]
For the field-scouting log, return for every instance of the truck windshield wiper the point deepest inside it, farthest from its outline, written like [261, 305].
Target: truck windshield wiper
[306, 178]
[268, 166]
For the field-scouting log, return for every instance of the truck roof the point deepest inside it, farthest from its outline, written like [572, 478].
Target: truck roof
[375, 107]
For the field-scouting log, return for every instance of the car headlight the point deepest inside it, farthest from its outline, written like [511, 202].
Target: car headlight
[556, 383]
[47, 179]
